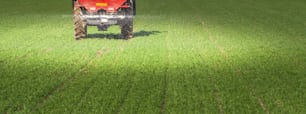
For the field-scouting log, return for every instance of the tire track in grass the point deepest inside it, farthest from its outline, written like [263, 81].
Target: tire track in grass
[79, 78]
[114, 101]
[260, 101]
[238, 70]
[216, 93]
[99, 53]
[123, 100]
[221, 49]
[198, 62]
[164, 91]
[219, 100]
[125, 97]
[185, 91]
[61, 85]
[216, 89]
[92, 82]
[195, 77]
[147, 78]
[185, 94]
[58, 87]
[111, 66]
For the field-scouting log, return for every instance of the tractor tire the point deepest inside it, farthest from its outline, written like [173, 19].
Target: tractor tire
[127, 29]
[127, 23]
[80, 26]
[134, 7]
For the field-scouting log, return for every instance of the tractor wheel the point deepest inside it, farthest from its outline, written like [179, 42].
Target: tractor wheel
[127, 24]
[134, 7]
[127, 29]
[80, 26]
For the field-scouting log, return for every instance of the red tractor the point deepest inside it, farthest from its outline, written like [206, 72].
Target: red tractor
[102, 14]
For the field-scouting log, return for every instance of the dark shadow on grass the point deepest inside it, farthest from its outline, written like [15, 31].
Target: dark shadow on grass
[118, 36]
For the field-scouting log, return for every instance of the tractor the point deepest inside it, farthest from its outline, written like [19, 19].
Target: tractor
[103, 14]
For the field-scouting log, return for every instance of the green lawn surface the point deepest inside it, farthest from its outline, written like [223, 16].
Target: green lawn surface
[191, 56]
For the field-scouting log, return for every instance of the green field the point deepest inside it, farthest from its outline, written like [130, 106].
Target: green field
[188, 56]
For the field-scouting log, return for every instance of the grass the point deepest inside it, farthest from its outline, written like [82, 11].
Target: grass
[195, 56]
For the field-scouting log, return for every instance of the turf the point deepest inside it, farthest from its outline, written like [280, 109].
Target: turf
[194, 56]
